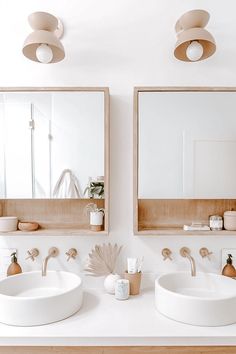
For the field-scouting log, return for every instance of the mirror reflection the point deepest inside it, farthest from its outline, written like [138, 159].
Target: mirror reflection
[52, 144]
[186, 145]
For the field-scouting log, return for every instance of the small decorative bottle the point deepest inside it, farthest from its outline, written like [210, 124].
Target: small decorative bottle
[229, 270]
[14, 267]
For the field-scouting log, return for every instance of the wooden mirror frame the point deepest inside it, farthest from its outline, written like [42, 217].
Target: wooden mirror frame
[141, 210]
[47, 212]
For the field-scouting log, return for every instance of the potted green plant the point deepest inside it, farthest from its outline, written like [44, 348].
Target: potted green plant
[95, 189]
[96, 216]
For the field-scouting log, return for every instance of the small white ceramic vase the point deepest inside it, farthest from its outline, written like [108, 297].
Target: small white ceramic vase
[110, 282]
[96, 220]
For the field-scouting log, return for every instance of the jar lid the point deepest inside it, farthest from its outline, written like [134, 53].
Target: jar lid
[230, 213]
[122, 281]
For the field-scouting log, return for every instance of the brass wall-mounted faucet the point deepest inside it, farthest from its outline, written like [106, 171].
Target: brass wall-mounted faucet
[53, 252]
[185, 252]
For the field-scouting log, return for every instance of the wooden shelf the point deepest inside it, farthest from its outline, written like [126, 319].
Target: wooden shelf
[179, 231]
[56, 217]
[167, 216]
[56, 232]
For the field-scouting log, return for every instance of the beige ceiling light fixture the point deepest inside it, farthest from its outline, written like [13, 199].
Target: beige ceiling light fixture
[43, 44]
[194, 42]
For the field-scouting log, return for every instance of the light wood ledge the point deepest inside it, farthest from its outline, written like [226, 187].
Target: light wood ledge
[167, 216]
[120, 350]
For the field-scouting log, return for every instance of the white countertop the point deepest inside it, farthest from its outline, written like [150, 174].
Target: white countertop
[104, 321]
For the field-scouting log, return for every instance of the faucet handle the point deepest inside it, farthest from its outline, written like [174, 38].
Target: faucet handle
[205, 253]
[184, 251]
[72, 253]
[166, 253]
[32, 254]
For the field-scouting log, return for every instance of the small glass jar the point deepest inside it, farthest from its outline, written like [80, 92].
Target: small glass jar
[122, 289]
[216, 222]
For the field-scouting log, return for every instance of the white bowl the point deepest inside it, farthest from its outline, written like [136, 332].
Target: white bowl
[204, 300]
[29, 299]
[8, 223]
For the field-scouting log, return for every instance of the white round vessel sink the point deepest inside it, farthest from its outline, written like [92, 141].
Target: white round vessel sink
[204, 300]
[28, 299]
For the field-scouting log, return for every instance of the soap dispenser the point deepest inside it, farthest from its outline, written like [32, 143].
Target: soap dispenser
[14, 267]
[229, 270]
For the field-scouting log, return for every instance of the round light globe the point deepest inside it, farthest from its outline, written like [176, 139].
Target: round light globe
[194, 51]
[44, 54]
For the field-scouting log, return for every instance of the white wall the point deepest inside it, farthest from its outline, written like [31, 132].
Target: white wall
[120, 44]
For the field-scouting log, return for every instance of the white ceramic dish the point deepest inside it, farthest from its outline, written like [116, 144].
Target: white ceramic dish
[205, 300]
[8, 223]
[28, 299]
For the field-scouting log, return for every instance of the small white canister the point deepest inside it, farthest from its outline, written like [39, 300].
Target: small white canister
[96, 220]
[230, 220]
[122, 289]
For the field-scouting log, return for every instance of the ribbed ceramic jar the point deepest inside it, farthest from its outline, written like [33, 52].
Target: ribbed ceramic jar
[230, 220]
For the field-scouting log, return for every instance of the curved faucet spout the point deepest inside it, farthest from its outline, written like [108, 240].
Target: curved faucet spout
[185, 252]
[44, 266]
[193, 265]
[53, 252]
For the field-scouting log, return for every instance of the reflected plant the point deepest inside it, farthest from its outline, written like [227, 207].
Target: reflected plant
[95, 189]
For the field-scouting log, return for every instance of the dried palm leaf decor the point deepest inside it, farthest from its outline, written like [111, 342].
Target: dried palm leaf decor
[102, 260]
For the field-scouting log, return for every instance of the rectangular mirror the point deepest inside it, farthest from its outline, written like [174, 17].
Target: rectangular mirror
[185, 146]
[54, 144]
[51, 143]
